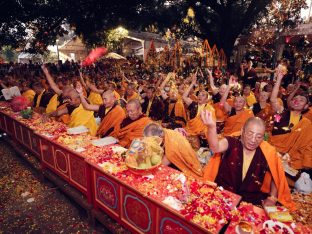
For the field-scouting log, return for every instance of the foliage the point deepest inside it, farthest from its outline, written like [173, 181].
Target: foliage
[221, 21]
[8, 54]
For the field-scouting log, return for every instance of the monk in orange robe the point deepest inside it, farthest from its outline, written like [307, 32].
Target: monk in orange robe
[249, 166]
[291, 131]
[238, 115]
[110, 112]
[308, 114]
[132, 126]
[178, 151]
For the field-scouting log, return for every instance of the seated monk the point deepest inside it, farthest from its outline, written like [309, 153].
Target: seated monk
[132, 126]
[60, 99]
[237, 114]
[152, 106]
[291, 131]
[195, 127]
[110, 112]
[42, 99]
[28, 92]
[263, 109]
[217, 93]
[178, 150]
[249, 96]
[78, 115]
[174, 113]
[249, 166]
[131, 94]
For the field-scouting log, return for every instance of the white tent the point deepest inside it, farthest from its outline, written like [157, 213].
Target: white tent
[25, 57]
[114, 56]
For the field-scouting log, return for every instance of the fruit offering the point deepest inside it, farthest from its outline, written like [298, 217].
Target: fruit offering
[145, 153]
[27, 113]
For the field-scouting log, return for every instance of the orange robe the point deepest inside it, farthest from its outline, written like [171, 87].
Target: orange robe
[276, 173]
[297, 143]
[135, 95]
[111, 120]
[195, 126]
[234, 124]
[221, 115]
[308, 115]
[179, 110]
[180, 152]
[131, 131]
[63, 118]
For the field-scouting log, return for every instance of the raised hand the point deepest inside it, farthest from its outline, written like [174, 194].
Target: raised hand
[44, 68]
[207, 118]
[79, 88]
[209, 72]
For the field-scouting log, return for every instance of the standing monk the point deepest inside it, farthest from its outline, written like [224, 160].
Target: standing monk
[249, 166]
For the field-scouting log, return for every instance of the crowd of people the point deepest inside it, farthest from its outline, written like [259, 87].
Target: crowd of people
[250, 127]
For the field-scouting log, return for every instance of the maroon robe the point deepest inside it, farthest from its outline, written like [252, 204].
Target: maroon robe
[230, 173]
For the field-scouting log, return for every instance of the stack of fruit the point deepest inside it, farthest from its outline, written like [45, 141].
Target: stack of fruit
[144, 154]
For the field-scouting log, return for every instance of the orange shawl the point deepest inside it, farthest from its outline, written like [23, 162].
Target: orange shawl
[113, 120]
[276, 172]
[132, 131]
[135, 95]
[179, 110]
[308, 115]
[63, 118]
[234, 124]
[297, 143]
[220, 113]
[180, 152]
[195, 126]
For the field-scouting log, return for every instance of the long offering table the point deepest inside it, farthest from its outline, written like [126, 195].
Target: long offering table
[143, 204]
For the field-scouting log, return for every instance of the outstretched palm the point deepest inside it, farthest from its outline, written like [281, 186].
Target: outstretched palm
[207, 118]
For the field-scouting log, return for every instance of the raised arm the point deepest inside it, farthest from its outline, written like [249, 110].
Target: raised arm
[93, 88]
[274, 102]
[85, 84]
[214, 89]
[216, 145]
[293, 93]
[163, 84]
[51, 81]
[84, 103]
[223, 101]
[186, 93]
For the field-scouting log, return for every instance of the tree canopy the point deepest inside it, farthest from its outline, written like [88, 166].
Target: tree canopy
[39, 22]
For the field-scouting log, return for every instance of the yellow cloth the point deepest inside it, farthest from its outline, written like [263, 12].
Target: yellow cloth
[251, 99]
[112, 120]
[180, 152]
[297, 143]
[135, 95]
[234, 124]
[246, 163]
[53, 104]
[80, 116]
[294, 118]
[276, 173]
[132, 131]
[150, 102]
[37, 104]
[117, 96]
[95, 98]
[29, 94]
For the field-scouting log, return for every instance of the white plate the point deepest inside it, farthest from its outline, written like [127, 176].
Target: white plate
[104, 141]
[271, 224]
[77, 130]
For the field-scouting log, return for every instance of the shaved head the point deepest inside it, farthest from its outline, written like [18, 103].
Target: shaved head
[253, 133]
[153, 129]
[134, 109]
[109, 98]
[255, 121]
